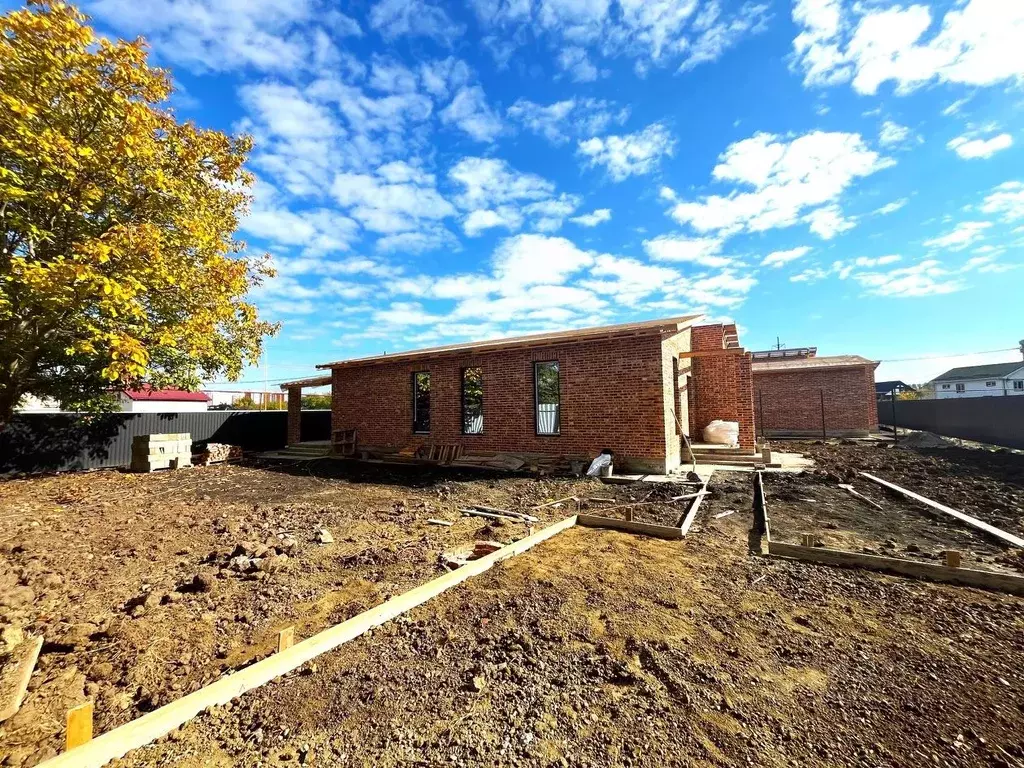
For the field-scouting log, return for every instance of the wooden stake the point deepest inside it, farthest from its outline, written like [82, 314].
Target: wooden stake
[953, 558]
[79, 730]
[285, 639]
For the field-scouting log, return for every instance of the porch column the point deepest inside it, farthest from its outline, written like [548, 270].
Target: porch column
[294, 415]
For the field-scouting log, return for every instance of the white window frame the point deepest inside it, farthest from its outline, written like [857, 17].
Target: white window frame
[961, 387]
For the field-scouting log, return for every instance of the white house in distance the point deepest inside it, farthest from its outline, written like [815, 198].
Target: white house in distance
[149, 400]
[994, 380]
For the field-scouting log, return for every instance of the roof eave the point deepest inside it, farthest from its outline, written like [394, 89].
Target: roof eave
[671, 325]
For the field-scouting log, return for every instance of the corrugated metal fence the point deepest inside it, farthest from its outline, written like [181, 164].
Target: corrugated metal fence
[49, 442]
[995, 420]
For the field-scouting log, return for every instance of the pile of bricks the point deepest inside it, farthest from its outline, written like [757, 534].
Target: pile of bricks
[168, 451]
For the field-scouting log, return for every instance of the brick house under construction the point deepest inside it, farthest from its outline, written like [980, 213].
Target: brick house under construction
[632, 388]
[798, 394]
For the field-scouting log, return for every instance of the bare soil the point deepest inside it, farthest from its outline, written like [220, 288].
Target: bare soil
[811, 502]
[596, 648]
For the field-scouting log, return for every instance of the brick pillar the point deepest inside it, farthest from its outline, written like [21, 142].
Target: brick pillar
[294, 415]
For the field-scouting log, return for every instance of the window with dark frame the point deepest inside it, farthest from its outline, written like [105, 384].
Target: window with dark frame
[421, 402]
[547, 397]
[472, 401]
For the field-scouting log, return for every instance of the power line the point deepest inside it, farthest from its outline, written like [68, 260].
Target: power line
[943, 357]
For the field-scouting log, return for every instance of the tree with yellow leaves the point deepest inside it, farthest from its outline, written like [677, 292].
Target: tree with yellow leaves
[118, 262]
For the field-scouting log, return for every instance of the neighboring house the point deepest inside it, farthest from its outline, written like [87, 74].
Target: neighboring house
[149, 400]
[632, 388]
[225, 398]
[890, 388]
[806, 395]
[993, 380]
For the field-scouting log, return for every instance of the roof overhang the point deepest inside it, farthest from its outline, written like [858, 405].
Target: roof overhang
[666, 326]
[315, 381]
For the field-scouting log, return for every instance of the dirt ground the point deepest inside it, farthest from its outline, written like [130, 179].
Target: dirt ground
[596, 648]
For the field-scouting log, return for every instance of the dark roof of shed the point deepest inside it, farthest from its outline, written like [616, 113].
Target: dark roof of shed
[992, 370]
[668, 324]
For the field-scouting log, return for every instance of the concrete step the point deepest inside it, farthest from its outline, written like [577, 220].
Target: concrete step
[312, 450]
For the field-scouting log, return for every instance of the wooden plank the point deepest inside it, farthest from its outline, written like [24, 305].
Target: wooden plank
[684, 527]
[137, 733]
[16, 673]
[974, 522]
[761, 508]
[79, 729]
[285, 639]
[492, 516]
[727, 351]
[552, 503]
[1001, 582]
[631, 526]
[496, 511]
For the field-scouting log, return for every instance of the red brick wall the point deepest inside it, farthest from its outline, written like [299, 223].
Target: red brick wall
[721, 386]
[294, 415]
[611, 397]
[793, 399]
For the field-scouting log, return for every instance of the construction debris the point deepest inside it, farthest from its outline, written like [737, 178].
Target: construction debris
[497, 511]
[15, 671]
[323, 536]
[492, 516]
[435, 521]
[482, 548]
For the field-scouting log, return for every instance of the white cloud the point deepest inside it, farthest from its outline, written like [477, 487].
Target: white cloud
[317, 231]
[398, 199]
[964, 234]
[442, 77]
[652, 32]
[574, 60]
[977, 43]
[561, 120]
[828, 222]
[414, 18]
[594, 218]
[926, 278]
[705, 251]
[489, 181]
[892, 207]
[632, 154]
[893, 134]
[470, 112]
[779, 258]
[271, 35]
[1006, 199]
[537, 259]
[795, 179]
[497, 195]
[972, 149]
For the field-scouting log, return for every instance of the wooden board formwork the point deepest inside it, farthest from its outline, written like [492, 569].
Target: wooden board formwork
[1000, 582]
[630, 526]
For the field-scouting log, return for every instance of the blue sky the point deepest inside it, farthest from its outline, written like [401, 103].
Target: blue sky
[846, 175]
